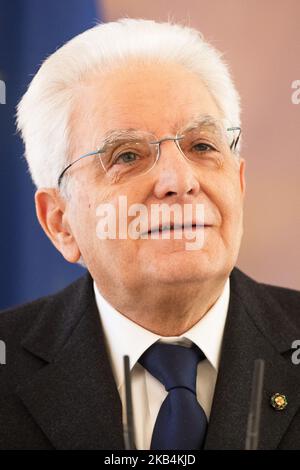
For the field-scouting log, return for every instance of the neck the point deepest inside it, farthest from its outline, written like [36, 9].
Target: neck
[171, 311]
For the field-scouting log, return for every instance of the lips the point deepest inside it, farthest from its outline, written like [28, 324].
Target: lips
[171, 227]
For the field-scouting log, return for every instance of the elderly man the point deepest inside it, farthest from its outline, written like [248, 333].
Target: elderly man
[126, 118]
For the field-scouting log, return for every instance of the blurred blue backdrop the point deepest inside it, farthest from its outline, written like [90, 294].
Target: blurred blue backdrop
[30, 30]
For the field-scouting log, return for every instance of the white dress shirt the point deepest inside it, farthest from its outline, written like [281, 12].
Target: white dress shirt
[124, 337]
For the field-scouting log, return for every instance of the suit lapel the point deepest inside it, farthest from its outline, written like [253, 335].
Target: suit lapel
[73, 398]
[256, 328]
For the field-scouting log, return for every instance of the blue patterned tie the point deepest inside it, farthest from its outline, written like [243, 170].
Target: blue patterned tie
[181, 422]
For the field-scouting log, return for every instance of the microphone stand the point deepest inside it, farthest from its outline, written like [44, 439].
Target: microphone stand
[128, 425]
[252, 436]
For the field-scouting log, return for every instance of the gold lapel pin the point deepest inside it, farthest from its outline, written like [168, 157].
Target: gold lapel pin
[279, 401]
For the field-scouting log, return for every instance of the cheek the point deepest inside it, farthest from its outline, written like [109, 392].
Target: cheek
[82, 216]
[225, 193]
[118, 203]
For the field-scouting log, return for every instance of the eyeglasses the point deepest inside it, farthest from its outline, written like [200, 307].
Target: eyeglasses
[127, 154]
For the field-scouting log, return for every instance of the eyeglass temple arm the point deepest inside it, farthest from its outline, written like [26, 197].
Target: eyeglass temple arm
[236, 140]
[75, 161]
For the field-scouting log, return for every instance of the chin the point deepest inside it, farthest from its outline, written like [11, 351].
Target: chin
[182, 266]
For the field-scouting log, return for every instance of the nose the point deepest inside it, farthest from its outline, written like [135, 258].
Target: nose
[176, 177]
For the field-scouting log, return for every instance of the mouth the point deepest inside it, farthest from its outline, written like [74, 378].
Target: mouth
[171, 227]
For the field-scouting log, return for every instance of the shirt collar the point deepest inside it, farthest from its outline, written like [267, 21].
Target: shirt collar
[124, 337]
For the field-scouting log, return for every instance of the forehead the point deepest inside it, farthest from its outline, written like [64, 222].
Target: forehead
[159, 98]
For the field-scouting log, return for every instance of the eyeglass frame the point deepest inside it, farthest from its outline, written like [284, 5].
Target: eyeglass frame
[232, 147]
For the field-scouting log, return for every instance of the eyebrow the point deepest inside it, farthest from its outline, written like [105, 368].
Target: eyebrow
[117, 134]
[201, 120]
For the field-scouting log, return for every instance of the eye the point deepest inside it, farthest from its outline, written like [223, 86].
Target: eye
[127, 158]
[203, 147]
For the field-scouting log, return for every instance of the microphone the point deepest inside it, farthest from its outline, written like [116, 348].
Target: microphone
[252, 436]
[128, 425]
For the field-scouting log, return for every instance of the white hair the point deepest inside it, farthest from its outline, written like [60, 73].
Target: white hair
[43, 113]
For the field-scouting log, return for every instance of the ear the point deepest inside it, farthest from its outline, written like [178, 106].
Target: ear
[52, 215]
[242, 163]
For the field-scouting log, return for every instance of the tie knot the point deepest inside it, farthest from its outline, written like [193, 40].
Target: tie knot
[173, 365]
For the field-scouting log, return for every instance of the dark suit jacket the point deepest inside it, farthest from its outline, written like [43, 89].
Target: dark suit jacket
[57, 389]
